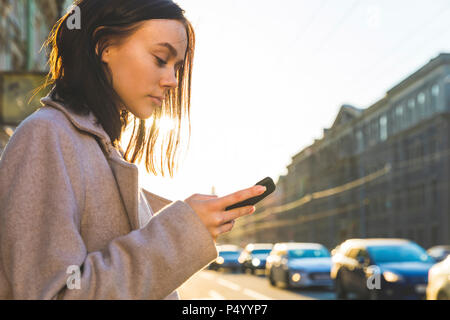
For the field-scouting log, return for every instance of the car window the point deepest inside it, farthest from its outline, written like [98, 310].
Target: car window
[308, 253]
[229, 254]
[409, 252]
[261, 251]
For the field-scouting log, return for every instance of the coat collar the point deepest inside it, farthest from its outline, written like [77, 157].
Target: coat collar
[87, 123]
[125, 173]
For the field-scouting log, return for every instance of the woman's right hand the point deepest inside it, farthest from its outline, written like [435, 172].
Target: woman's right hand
[211, 209]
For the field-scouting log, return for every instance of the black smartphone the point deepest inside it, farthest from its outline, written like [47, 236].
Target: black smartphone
[270, 187]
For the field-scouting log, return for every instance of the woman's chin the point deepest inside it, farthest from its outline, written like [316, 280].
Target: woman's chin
[144, 113]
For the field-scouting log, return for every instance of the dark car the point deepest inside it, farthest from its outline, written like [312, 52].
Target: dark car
[253, 257]
[298, 264]
[227, 259]
[381, 269]
[439, 253]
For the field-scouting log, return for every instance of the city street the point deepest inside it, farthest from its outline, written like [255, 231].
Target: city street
[223, 285]
[340, 109]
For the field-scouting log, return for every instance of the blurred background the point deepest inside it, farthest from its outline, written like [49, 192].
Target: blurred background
[345, 104]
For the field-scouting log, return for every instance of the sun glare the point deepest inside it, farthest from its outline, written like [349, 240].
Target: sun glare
[166, 124]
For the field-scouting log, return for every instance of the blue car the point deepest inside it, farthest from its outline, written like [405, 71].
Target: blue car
[381, 269]
[253, 257]
[228, 258]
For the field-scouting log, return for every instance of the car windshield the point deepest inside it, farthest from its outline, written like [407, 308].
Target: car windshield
[399, 253]
[308, 253]
[261, 251]
[229, 254]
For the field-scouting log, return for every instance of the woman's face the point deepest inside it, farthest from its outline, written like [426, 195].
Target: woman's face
[145, 64]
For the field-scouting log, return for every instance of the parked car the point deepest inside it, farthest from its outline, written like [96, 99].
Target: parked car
[227, 259]
[253, 257]
[381, 269]
[298, 264]
[439, 253]
[439, 281]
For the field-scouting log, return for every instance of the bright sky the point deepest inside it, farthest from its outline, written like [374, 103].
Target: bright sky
[270, 75]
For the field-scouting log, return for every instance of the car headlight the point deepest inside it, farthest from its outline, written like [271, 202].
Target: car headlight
[255, 262]
[391, 276]
[220, 260]
[296, 277]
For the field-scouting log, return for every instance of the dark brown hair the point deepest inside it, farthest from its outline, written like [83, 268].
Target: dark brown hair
[83, 84]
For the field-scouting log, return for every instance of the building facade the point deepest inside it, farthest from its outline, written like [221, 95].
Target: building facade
[377, 172]
[24, 27]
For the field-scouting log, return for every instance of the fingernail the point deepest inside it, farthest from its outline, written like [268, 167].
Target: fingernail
[261, 189]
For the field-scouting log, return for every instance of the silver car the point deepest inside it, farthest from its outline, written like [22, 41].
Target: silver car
[298, 264]
[438, 287]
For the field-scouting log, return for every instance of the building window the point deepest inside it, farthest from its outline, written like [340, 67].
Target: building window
[434, 97]
[373, 132]
[421, 98]
[421, 102]
[435, 90]
[411, 111]
[399, 116]
[359, 141]
[383, 128]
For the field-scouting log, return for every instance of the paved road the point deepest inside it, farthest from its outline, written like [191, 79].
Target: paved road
[222, 285]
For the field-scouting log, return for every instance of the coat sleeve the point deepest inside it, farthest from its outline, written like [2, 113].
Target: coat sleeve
[42, 253]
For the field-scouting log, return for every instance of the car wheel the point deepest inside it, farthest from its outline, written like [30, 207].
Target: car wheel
[341, 293]
[286, 280]
[271, 280]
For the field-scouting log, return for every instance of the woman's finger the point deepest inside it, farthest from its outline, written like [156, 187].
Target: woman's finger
[236, 213]
[225, 227]
[239, 196]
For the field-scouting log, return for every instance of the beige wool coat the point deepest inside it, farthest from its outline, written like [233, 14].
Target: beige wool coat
[74, 223]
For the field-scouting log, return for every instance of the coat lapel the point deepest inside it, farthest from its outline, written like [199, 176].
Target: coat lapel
[125, 173]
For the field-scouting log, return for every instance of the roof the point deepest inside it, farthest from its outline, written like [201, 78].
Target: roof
[374, 242]
[346, 114]
[256, 246]
[441, 59]
[228, 247]
[298, 245]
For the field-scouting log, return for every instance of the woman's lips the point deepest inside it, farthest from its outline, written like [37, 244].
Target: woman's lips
[157, 100]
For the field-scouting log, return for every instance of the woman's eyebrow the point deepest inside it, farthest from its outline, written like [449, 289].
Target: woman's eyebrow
[172, 50]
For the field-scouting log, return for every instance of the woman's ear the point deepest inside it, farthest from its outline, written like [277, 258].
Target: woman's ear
[105, 54]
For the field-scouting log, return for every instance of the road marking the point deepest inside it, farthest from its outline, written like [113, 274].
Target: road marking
[207, 276]
[229, 284]
[215, 295]
[256, 295]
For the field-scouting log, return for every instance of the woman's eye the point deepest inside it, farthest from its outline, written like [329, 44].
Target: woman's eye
[160, 62]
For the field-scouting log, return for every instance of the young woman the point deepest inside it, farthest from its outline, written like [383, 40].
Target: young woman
[74, 224]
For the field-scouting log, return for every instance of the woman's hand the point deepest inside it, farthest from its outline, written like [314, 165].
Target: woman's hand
[211, 209]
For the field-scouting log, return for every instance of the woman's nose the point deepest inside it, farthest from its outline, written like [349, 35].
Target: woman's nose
[169, 80]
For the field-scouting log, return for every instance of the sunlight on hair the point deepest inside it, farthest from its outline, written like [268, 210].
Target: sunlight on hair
[166, 124]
